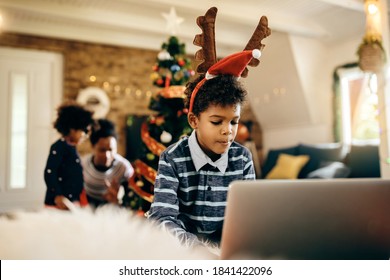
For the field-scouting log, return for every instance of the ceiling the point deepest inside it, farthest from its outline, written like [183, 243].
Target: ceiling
[137, 23]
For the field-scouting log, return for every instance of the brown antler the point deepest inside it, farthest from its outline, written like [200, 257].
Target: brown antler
[206, 40]
[262, 31]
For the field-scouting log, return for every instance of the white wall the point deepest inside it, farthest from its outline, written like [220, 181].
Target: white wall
[275, 91]
[304, 68]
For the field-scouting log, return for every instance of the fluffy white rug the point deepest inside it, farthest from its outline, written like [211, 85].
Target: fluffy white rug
[107, 233]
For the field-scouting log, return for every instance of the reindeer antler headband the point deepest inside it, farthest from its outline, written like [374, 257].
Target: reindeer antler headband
[235, 64]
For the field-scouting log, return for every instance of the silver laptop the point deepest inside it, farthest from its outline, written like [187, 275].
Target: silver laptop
[307, 219]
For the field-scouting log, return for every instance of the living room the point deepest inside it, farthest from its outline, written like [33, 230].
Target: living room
[113, 45]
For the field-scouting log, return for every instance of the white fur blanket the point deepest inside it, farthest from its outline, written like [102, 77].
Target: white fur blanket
[107, 233]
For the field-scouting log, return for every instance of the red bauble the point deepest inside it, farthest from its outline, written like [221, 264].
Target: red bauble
[160, 120]
[160, 82]
[181, 62]
[242, 133]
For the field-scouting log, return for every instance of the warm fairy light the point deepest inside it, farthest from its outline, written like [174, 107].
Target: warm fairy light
[1, 20]
[117, 88]
[106, 85]
[92, 78]
[372, 8]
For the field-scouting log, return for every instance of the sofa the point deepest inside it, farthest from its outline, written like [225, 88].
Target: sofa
[327, 161]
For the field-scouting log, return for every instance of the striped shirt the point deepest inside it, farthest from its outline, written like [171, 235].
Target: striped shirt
[94, 180]
[190, 189]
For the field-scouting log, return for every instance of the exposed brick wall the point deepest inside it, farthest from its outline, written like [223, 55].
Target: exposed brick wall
[127, 68]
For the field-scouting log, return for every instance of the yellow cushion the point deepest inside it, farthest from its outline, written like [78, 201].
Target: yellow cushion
[287, 167]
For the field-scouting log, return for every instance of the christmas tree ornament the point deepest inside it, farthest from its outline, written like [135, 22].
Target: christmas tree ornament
[242, 133]
[175, 68]
[166, 137]
[160, 120]
[178, 76]
[150, 156]
[140, 184]
[160, 82]
[154, 76]
[181, 62]
[164, 55]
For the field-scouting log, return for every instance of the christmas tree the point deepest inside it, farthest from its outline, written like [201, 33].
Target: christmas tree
[170, 73]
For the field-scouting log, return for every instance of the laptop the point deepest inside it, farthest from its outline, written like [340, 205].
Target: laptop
[310, 219]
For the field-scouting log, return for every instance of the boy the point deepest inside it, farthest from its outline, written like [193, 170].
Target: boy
[193, 174]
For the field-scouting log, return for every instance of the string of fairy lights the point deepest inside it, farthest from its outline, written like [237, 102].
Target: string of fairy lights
[117, 90]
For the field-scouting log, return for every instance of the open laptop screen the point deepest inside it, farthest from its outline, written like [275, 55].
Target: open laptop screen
[307, 219]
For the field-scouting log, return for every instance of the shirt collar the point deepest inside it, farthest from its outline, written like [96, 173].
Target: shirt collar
[200, 159]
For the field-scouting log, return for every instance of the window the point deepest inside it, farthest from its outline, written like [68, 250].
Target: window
[357, 119]
[18, 133]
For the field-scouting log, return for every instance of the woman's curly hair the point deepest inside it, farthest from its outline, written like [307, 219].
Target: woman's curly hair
[71, 115]
[222, 90]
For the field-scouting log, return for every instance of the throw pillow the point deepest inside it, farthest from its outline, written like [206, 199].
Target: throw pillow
[331, 170]
[364, 161]
[287, 167]
[272, 157]
[319, 153]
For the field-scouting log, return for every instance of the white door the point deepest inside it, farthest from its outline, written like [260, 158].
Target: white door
[30, 90]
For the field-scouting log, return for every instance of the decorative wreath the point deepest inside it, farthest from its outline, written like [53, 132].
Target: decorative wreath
[96, 100]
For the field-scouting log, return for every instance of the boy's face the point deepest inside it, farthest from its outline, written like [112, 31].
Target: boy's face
[104, 151]
[216, 128]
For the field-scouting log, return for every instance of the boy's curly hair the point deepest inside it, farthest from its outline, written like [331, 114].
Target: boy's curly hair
[222, 90]
[71, 115]
[104, 128]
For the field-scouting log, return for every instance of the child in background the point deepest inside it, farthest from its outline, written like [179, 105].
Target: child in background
[63, 172]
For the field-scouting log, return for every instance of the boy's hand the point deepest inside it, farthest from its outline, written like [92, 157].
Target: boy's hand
[59, 202]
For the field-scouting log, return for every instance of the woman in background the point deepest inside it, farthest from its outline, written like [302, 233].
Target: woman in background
[105, 170]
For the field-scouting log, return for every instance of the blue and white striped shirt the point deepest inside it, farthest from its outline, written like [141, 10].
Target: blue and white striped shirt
[190, 189]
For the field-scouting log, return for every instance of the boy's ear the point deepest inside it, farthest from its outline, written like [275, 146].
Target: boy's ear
[192, 120]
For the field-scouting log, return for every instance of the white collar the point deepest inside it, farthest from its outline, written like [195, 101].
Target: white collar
[199, 157]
